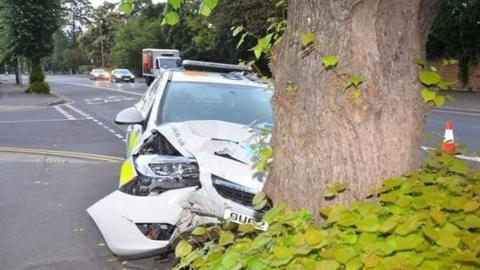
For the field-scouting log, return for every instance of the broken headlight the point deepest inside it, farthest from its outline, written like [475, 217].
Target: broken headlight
[158, 173]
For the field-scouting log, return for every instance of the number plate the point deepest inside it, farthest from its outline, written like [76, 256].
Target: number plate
[244, 219]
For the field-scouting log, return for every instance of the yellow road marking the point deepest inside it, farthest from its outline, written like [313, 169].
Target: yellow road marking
[61, 153]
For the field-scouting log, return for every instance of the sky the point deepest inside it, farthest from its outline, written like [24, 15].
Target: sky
[96, 3]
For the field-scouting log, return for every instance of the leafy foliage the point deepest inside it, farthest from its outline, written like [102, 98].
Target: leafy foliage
[456, 34]
[433, 82]
[424, 220]
[38, 87]
[28, 26]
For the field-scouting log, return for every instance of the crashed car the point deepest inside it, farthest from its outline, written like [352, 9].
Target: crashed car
[190, 159]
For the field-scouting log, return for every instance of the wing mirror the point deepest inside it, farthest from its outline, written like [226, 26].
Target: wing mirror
[129, 116]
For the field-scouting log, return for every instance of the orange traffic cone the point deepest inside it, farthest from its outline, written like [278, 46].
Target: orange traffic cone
[448, 145]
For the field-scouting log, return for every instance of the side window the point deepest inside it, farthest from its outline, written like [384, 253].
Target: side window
[146, 102]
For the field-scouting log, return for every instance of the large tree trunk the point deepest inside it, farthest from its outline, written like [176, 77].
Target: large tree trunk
[322, 134]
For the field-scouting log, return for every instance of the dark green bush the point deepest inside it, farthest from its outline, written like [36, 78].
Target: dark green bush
[426, 220]
[38, 88]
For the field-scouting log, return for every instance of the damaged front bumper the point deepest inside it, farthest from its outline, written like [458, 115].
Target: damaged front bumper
[121, 218]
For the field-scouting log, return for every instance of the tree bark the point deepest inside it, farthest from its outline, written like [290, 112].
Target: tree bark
[323, 134]
[18, 71]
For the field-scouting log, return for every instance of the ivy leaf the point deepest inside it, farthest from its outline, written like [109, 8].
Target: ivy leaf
[356, 80]
[329, 61]
[226, 238]
[127, 7]
[328, 265]
[230, 259]
[314, 236]
[198, 231]
[428, 95]
[442, 85]
[420, 62]
[183, 249]
[357, 93]
[265, 153]
[308, 39]
[439, 101]
[259, 197]
[438, 216]
[448, 240]
[246, 228]
[171, 18]
[237, 30]
[175, 4]
[429, 77]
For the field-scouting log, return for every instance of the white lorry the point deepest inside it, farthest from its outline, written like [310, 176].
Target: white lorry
[156, 61]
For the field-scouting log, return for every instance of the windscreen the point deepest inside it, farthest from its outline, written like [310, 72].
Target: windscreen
[170, 63]
[123, 71]
[187, 101]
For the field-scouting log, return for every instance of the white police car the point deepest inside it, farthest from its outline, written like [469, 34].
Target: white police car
[189, 158]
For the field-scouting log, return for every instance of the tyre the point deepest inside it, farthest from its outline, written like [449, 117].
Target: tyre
[148, 80]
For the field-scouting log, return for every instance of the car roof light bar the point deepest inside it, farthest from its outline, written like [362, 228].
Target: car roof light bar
[214, 67]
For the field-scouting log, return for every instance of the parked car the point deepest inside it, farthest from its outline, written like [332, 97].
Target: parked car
[189, 158]
[122, 75]
[99, 74]
[156, 61]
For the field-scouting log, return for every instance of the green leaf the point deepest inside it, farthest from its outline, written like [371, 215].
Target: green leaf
[265, 153]
[429, 77]
[183, 249]
[246, 228]
[171, 18]
[420, 62]
[175, 4]
[356, 93]
[442, 85]
[438, 216]
[344, 254]
[448, 240]
[205, 9]
[282, 253]
[458, 166]
[237, 30]
[328, 265]
[439, 101]
[226, 238]
[260, 205]
[329, 61]
[230, 259]
[314, 236]
[308, 39]
[408, 242]
[259, 197]
[127, 7]
[356, 80]
[198, 231]
[261, 165]
[211, 3]
[428, 95]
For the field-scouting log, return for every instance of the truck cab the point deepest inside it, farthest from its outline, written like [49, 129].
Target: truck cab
[156, 61]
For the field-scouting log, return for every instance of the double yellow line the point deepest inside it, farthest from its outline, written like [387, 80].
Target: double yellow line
[69, 154]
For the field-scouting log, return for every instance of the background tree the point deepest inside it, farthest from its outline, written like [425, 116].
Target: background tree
[28, 29]
[456, 34]
[97, 41]
[77, 15]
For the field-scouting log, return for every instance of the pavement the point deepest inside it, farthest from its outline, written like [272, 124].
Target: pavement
[14, 98]
[57, 159]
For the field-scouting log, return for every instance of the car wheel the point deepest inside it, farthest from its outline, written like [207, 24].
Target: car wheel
[132, 81]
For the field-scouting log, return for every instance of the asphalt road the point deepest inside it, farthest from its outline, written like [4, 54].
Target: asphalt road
[44, 224]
